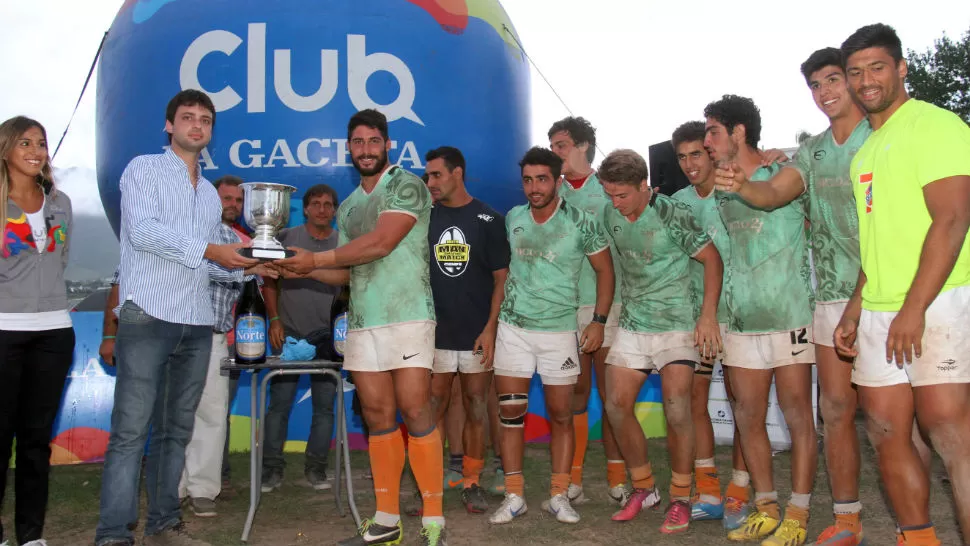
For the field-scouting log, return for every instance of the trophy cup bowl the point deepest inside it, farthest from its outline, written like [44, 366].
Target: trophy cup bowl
[266, 209]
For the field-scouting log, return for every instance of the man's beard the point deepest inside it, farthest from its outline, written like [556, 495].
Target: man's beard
[229, 216]
[378, 165]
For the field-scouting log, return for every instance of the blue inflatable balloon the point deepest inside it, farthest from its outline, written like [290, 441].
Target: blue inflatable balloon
[286, 76]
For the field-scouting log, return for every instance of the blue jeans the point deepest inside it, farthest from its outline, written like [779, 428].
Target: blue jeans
[161, 372]
[282, 392]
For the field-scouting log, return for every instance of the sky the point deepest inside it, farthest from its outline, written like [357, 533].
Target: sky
[635, 68]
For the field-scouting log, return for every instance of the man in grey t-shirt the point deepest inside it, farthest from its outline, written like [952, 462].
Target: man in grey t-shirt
[300, 308]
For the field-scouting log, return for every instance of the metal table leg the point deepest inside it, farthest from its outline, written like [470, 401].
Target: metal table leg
[255, 475]
[341, 440]
[258, 430]
[345, 448]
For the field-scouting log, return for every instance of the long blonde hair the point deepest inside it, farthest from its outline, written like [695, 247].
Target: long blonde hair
[10, 132]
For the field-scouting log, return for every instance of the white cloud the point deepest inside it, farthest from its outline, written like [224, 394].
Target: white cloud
[81, 185]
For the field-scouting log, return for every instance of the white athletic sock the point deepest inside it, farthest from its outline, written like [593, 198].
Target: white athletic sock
[845, 508]
[769, 496]
[440, 520]
[704, 463]
[740, 478]
[386, 520]
[801, 500]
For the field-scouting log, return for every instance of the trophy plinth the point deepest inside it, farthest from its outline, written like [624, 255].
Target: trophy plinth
[266, 254]
[267, 210]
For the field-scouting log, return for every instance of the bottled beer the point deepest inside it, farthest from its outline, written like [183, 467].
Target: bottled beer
[338, 322]
[251, 326]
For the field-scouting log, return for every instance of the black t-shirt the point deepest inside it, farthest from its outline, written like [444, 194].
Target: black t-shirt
[467, 245]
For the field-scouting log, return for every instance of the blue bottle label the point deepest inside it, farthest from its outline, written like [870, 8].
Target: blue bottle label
[340, 334]
[250, 337]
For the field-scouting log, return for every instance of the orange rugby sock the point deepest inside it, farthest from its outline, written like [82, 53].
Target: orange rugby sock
[427, 463]
[387, 463]
[642, 477]
[581, 430]
[849, 522]
[679, 486]
[615, 473]
[736, 491]
[921, 537]
[559, 485]
[515, 483]
[707, 481]
[471, 470]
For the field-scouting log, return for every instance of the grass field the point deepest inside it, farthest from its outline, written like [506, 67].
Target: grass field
[298, 515]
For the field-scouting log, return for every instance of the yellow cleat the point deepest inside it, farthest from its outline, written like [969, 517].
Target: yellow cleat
[789, 533]
[758, 525]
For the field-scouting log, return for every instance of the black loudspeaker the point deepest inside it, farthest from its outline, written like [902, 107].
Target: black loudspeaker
[665, 174]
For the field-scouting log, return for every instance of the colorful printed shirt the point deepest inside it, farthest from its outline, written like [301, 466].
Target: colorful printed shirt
[541, 292]
[397, 287]
[767, 282]
[655, 252]
[707, 216]
[824, 166]
[591, 198]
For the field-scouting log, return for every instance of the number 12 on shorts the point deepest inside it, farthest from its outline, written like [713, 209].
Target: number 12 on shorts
[799, 337]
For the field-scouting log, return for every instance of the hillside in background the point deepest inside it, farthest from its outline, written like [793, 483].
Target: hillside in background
[94, 247]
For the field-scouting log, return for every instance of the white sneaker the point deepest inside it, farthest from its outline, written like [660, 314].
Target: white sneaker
[619, 494]
[575, 495]
[559, 506]
[512, 507]
[38, 542]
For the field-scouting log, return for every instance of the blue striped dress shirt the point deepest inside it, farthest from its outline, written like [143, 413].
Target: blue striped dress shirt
[165, 227]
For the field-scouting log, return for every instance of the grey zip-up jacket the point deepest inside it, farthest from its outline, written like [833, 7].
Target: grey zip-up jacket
[30, 281]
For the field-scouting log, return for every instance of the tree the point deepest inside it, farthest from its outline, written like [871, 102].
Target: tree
[941, 75]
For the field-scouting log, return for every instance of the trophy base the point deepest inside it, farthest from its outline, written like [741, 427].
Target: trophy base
[266, 254]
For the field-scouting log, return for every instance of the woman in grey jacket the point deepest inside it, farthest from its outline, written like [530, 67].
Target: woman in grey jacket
[36, 336]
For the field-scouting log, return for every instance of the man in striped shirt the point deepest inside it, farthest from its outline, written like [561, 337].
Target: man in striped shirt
[201, 479]
[169, 222]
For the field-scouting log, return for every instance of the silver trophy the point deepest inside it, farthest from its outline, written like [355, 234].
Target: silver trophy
[267, 210]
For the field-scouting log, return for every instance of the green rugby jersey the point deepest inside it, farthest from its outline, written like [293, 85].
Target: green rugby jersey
[767, 282]
[397, 287]
[542, 292]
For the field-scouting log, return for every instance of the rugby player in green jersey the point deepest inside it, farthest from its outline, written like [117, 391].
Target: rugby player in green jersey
[910, 311]
[383, 255]
[769, 299]
[821, 171]
[573, 139]
[655, 238]
[550, 240]
[698, 166]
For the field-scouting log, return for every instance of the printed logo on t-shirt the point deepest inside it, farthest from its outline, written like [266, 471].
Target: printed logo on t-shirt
[452, 252]
[866, 178]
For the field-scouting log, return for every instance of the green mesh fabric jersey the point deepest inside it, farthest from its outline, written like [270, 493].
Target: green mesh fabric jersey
[824, 166]
[707, 216]
[655, 253]
[767, 283]
[397, 287]
[593, 200]
[541, 291]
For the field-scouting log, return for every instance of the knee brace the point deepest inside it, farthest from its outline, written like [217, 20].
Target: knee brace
[513, 400]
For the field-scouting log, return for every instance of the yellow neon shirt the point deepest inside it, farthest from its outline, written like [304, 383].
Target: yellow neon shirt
[919, 144]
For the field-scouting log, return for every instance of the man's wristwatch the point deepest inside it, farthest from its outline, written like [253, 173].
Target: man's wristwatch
[599, 318]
